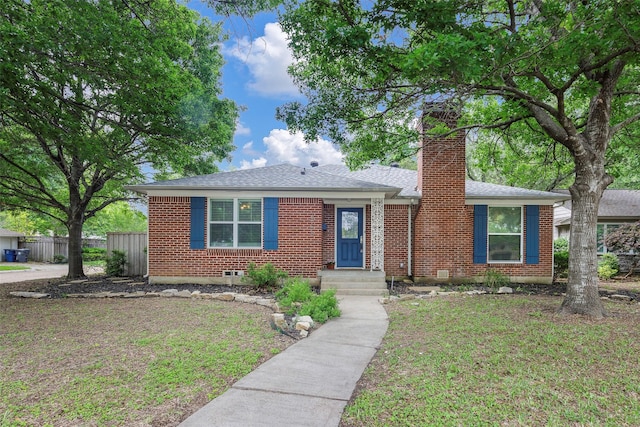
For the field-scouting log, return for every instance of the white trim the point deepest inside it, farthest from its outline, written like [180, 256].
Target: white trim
[409, 240]
[509, 202]
[521, 260]
[201, 192]
[377, 234]
[235, 223]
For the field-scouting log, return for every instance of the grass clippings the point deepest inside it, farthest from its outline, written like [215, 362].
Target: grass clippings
[503, 361]
[124, 362]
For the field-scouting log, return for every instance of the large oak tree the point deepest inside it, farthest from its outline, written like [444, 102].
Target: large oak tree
[568, 69]
[93, 92]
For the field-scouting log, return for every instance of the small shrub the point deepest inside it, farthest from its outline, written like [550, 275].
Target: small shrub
[495, 279]
[94, 254]
[561, 245]
[321, 307]
[561, 263]
[266, 276]
[116, 263]
[59, 259]
[608, 266]
[296, 296]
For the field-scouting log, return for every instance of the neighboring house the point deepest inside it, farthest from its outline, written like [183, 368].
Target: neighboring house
[617, 207]
[8, 240]
[430, 225]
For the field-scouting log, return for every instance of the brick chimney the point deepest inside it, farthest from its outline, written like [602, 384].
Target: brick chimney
[442, 233]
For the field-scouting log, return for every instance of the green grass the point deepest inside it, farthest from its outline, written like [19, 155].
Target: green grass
[492, 361]
[13, 267]
[124, 362]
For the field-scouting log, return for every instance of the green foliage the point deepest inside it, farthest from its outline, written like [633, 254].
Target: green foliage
[120, 85]
[321, 307]
[59, 259]
[266, 276]
[608, 266]
[116, 263]
[561, 257]
[296, 296]
[94, 254]
[118, 217]
[495, 279]
[561, 244]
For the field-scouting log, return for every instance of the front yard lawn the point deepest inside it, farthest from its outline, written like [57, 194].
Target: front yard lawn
[123, 362]
[501, 361]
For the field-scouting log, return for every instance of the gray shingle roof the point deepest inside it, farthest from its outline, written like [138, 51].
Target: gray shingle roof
[375, 178]
[278, 177]
[9, 233]
[408, 179]
[615, 204]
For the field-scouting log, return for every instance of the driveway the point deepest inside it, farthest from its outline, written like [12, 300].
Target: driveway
[36, 271]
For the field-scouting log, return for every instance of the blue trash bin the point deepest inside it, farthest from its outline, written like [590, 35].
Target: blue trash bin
[22, 255]
[10, 255]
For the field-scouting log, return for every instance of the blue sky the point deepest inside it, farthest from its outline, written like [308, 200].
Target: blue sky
[255, 77]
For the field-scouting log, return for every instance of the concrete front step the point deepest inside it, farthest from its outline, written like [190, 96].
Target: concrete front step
[354, 282]
[363, 292]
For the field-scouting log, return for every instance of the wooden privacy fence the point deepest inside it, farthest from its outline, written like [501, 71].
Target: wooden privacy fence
[44, 248]
[134, 245]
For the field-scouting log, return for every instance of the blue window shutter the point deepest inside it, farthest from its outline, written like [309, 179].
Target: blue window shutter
[197, 222]
[533, 234]
[271, 223]
[480, 218]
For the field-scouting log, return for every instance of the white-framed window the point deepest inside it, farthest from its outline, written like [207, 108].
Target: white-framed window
[235, 223]
[504, 234]
[601, 231]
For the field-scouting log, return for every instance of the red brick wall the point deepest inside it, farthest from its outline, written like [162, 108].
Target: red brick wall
[396, 244]
[443, 227]
[300, 237]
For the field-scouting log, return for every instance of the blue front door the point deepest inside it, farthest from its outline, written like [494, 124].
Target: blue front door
[349, 239]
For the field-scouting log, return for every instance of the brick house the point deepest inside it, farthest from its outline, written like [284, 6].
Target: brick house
[326, 221]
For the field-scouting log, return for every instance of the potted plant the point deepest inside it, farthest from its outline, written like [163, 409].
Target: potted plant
[330, 265]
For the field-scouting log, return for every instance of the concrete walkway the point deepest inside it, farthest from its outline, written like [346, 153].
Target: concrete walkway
[35, 271]
[308, 384]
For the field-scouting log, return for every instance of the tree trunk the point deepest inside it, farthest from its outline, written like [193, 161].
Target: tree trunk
[76, 269]
[582, 286]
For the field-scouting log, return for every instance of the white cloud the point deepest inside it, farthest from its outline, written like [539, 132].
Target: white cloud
[267, 58]
[242, 130]
[255, 163]
[284, 147]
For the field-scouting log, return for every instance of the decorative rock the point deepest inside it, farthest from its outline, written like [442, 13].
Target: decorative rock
[407, 297]
[79, 281]
[306, 319]
[278, 320]
[447, 294]
[226, 296]
[303, 326]
[137, 294]
[266, 302]
[168, 292]
[121, 281]
[304, 334]
[152, 294]
[620, 297]
[246, 298]
[183, 294]
[475, 292]
[505, 290]
[425, 289]
[35, 295]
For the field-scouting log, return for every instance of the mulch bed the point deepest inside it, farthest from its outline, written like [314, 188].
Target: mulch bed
[59, 288]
